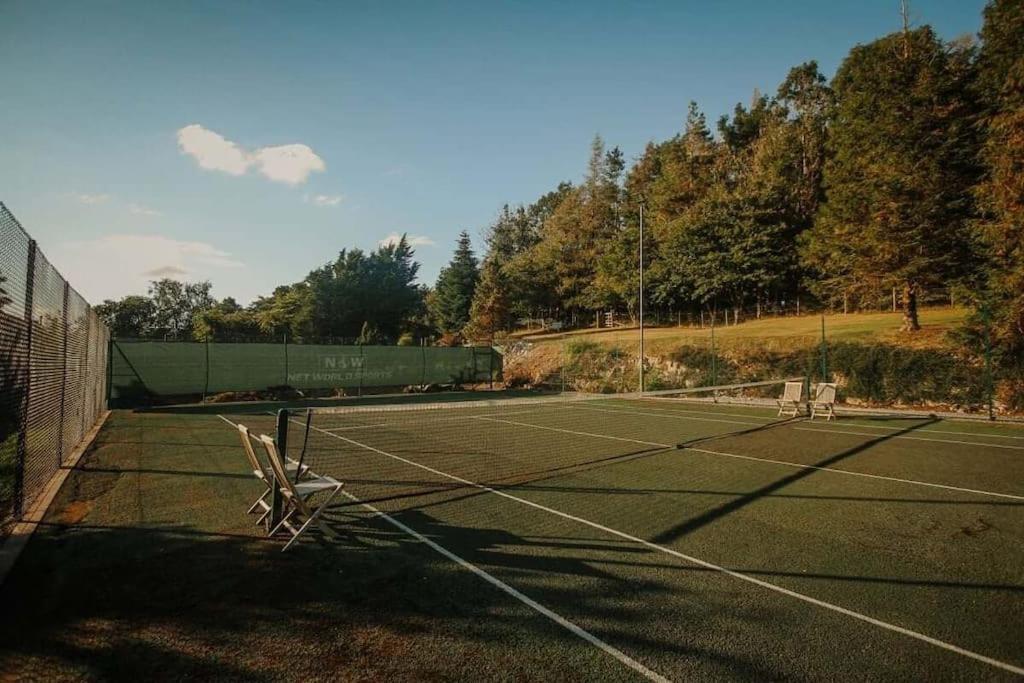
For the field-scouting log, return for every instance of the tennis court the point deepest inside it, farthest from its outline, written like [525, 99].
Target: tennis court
[604, 538]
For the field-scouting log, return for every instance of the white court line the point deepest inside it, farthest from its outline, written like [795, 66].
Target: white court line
[684, 417]
[627, 410]
[345, 429]
[498, 583]
[700, 412]
[912, 438]
[530, 602]
[785, 463]
[704, 563]
[939, 431]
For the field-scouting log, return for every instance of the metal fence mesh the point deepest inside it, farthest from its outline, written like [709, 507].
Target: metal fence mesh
[53, 369]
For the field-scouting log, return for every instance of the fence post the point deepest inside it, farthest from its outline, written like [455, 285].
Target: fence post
[423, 364]
[989, 384]
[362, 363]
[714, 364]
[206, 376]
[286, 380]
[19, 465]
[86, 371]
[63, 373]
[110, 368]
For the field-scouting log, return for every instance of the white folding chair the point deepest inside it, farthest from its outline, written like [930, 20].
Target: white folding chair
[792, 398]
[264, 473]
[824, 400]
[298, 495]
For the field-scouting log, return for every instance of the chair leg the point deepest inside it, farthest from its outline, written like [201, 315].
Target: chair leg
[314, 519]
[283, 522]
[258, 501]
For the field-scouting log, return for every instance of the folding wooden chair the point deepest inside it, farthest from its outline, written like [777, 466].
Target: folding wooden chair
[298, 495]
[792, 398]
[264, 473]
[824, 400]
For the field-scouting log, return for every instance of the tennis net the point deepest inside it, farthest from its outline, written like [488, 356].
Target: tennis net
[394, 451]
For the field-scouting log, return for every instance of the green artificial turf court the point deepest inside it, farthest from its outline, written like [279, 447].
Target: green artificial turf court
[579, 540]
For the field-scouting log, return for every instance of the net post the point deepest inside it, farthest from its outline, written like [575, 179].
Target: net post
[286, 380]
[281, 437]
[824, 352]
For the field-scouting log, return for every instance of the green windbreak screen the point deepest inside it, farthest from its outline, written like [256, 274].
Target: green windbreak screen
[141, 369]
[238, 367]
[321, 367]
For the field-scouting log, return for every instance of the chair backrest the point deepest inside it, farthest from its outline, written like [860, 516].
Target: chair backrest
[793, 392]
[277, 465]
[825, 392]
[254, 460]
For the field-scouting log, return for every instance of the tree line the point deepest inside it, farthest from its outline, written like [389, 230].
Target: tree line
[900, 174]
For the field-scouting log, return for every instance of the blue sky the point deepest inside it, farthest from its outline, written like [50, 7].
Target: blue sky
[248, 142]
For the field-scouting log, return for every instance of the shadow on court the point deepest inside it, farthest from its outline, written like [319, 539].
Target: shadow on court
[745, 499]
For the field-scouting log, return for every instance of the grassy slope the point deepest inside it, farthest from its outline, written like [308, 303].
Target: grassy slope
[778, 332]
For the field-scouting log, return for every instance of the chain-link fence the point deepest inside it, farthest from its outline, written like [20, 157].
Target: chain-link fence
[53, 369]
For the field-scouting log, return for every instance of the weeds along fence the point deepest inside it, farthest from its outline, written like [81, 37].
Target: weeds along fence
[53, 369]
[144, 372]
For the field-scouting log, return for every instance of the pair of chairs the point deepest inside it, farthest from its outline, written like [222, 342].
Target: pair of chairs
[297, 485]
[823, 399]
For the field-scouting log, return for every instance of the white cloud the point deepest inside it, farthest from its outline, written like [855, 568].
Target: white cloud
[211, 150]
[114, 265]
[140, 210]
[166, 271]
[92, 199]
[289, 164]
[413, 240]
[324, 199]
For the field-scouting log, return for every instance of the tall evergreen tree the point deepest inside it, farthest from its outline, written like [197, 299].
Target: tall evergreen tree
[379, 288]
[1000, 86]
[899, 176]
[490, 312]
[453, 294]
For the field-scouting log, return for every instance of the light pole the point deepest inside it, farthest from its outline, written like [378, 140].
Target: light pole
[641, 297]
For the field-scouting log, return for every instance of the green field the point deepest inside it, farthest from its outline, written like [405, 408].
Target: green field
[778, 331]
[600, 540]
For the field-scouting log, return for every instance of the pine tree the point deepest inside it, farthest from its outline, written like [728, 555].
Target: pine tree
[899, 174]
[453, 294]
[1000, 87]
[490, 312]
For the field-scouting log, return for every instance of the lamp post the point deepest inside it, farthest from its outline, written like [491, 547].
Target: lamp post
[641, 297]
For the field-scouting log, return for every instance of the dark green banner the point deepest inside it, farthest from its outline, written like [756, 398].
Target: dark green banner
[147, 369]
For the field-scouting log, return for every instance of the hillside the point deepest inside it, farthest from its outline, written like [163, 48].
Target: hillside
[866, 353]
[775, 332]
